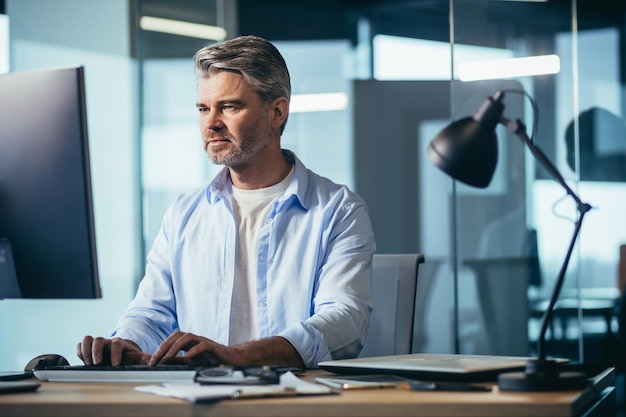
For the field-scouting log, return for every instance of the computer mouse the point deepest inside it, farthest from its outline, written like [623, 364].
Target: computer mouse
[44, 361]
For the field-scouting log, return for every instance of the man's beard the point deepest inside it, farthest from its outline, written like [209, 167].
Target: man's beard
[249, 145]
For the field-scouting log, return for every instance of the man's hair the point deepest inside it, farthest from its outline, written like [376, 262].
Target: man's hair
[256, 59]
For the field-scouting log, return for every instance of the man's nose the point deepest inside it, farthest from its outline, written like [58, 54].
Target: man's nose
[214, 121]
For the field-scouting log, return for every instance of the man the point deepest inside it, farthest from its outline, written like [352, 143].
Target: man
[267, 264]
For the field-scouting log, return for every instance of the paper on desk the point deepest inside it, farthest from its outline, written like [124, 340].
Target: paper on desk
[290, 385]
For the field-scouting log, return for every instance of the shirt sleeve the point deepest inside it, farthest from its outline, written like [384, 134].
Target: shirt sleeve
[151, 317]
[342, 298]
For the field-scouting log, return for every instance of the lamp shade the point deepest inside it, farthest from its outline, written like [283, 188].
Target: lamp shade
[467, 149]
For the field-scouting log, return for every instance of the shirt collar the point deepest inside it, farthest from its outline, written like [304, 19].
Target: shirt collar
[221, 187]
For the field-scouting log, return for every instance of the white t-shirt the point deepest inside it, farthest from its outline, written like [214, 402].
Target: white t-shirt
[251, 208]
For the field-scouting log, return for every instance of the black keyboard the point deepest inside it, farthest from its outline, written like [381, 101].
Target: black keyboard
[121, 373]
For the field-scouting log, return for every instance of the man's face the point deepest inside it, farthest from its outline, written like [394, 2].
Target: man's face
[234, 123]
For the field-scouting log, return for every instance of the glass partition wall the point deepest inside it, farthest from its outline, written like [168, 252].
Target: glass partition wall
[402, 72]
[511, 238]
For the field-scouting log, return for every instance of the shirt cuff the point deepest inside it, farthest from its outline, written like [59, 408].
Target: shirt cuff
[308, 342]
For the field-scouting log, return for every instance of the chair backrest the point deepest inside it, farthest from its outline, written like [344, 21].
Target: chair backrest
[394, 288]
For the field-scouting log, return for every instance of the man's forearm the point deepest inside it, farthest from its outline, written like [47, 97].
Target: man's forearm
[274, 350]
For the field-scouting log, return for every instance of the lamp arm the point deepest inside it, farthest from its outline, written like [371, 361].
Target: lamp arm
[547, 315]
[519, 129]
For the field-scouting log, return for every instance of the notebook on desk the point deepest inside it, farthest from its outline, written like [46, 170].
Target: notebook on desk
[124, 373]
[431, 366]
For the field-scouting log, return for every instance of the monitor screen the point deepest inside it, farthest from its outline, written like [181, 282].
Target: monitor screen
[46, 212]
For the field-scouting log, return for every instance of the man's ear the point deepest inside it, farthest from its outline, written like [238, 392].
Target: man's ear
[279, 109]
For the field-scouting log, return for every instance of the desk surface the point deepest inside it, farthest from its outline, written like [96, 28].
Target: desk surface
[120, 399]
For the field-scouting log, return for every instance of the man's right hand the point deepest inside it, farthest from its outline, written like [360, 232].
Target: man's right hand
[115, 351]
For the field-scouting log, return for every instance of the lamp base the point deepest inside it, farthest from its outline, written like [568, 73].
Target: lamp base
[542, 375]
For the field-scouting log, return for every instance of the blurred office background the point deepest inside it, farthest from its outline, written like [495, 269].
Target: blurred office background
[390, 74]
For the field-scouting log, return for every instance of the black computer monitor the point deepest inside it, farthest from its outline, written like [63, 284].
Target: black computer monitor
[46, 211]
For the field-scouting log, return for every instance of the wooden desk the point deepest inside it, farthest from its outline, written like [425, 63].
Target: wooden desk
[120, 399]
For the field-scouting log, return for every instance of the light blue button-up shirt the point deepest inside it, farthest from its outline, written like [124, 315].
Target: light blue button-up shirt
[314, 269]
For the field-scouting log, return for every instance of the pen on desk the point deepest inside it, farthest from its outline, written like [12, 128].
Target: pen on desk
[284, 392]
[443, 386]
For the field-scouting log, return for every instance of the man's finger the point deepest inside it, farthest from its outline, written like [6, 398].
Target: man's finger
[85, 347]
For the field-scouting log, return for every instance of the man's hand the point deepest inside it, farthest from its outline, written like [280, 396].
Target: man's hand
[116, 351]
[200, 351]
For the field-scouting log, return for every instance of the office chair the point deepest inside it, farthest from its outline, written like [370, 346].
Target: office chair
[394, 289]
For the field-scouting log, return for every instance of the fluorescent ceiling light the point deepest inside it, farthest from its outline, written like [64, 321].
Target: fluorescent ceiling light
[178, 27]
[509, 68]
[301, 103]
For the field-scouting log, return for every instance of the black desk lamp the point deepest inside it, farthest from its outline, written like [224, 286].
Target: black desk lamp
[467, 150]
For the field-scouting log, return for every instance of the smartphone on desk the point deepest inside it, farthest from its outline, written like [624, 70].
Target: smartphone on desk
[362, 381]
[15, 376]
[9, 387]
[392, 381]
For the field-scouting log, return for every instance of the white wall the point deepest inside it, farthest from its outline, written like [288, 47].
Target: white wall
[95, 34]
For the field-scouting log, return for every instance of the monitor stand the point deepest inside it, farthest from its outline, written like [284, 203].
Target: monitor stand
[9, 287]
